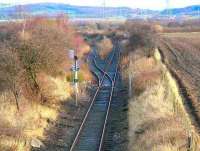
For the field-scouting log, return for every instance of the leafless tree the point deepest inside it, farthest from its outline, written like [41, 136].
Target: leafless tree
[44, 51]
[142, 35]
[10, 73]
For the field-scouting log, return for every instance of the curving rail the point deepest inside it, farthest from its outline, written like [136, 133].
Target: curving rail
[104, 122]
[109, 106]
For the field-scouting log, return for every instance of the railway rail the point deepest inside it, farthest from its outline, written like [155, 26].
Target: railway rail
[90, 136]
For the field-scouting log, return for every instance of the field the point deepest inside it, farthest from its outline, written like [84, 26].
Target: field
[181, 52]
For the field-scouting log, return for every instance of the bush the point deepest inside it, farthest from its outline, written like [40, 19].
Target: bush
[141, 35]
[39, 47]
[104, 47]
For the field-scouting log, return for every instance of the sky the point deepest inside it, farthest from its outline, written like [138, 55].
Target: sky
[146, 4]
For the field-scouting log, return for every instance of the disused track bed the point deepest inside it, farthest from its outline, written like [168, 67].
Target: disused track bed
[184, 64]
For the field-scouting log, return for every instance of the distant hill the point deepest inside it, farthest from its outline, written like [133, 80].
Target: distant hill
[190, 10]
[3, 5]
[52, 9]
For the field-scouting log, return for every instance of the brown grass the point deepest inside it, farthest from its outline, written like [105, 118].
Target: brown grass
[155, 123]
[18, 127]
[104, 47]
[145, 73]
[166, 131]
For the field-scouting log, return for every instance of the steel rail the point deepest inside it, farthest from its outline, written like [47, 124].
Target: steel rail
[96, 75]
[109, 106]
[92, 102]
[101, 70]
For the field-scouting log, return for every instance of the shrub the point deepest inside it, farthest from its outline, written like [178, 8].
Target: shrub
[104, 47]
[141, 35]
[10, 73]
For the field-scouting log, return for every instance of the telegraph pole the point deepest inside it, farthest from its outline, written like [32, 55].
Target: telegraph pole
[68, 12]
[168, 8]
[104, 7]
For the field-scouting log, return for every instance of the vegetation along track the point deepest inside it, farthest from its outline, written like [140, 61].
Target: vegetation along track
[92, 133]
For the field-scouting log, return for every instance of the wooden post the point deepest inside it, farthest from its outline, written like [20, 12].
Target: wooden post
[76, 79]
[130, 78]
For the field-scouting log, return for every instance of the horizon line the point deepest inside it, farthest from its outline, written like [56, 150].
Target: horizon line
[31, 3]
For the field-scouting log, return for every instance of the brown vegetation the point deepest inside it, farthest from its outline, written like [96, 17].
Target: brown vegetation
[182, 52]
[104, 47]
[158, 119]
[182, 26]
[141, 35]
[33, 66]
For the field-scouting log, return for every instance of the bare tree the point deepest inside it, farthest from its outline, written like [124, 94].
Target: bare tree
[142, 35]
[43, 51]
[10, 73]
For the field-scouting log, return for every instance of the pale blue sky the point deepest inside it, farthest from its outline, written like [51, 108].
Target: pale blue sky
[150, 4]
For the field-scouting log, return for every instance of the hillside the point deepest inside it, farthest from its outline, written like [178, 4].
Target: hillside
[190, 10]
[52, 9]
[75, 11]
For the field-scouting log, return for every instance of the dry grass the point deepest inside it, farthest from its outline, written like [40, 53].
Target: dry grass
[54, 89]
[21, 127]
[157, 118]
[104, 47]
[18, 128]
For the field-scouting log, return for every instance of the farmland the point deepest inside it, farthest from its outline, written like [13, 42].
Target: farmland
[181, 52]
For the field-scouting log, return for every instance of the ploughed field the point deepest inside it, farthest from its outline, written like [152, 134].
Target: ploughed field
[181, 53]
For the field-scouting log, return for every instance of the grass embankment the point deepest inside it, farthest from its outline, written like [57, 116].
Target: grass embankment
[39, 53]
[157, 117]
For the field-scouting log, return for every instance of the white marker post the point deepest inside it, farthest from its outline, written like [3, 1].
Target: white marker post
[71, 54]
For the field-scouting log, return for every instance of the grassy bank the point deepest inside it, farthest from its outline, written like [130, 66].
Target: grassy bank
[158, 120]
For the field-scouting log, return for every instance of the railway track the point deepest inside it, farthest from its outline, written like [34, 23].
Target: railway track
[91, 134]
